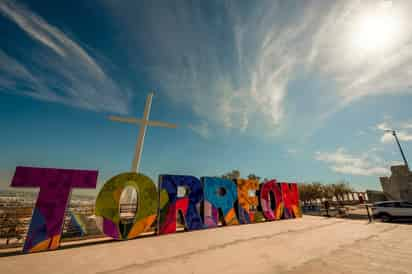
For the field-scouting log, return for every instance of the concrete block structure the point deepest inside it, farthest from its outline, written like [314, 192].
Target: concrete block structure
[399, 185]
[376, 196]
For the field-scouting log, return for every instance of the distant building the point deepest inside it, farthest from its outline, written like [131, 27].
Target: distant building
[399, 185]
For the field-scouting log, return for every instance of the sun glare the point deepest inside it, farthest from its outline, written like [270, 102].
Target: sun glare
[377, 29]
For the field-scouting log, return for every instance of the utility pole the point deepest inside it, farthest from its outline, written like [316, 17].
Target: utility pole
[399, 145]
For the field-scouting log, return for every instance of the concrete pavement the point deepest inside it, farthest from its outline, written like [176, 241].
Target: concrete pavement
[307, 245]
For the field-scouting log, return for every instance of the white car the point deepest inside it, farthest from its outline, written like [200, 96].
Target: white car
[389, 210]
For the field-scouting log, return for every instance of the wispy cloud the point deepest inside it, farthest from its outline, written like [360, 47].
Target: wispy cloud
[403, 131]
[292, 151]
[402, 136]
[201, 129]
[234, 68]
[361, 72]
[61, 70]
[407, 125]
[341, 161]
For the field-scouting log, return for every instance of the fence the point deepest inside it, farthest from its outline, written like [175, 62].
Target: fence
[15, 219]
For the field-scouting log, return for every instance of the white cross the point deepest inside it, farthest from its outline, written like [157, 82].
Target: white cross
[143, 125]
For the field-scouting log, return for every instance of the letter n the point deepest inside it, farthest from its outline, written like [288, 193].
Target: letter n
[290, 194]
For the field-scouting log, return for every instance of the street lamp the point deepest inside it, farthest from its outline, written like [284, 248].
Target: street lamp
[399, 145]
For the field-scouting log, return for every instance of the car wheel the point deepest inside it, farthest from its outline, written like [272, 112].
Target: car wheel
[385, 217]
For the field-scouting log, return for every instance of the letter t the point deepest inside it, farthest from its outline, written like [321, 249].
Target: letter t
[48, 214]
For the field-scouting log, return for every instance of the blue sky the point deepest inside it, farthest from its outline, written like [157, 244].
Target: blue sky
[292, 90]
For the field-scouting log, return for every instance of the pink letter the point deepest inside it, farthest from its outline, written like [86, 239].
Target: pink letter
[265, 200]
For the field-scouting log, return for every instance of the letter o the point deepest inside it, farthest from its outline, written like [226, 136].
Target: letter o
[108, 208]
[268, 212]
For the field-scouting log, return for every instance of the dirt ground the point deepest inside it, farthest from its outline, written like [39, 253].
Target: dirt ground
[302, 246]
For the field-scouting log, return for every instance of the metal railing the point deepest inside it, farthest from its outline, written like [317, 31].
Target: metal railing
[15, 219]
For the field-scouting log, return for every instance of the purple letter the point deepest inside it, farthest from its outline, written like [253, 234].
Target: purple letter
[48, 214]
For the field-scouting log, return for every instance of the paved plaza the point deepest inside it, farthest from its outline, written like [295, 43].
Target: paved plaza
[307, 245]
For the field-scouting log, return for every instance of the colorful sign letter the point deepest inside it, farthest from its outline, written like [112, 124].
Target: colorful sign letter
[220, 201]
[266, 200]
[247, 200]
[220, 195]
[188, 204]
[48, 214]
[290, 195]
[107, 205]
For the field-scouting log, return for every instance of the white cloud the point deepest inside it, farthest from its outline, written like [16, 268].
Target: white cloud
[407, 125]
[202, 129]
[292, 151]
[354, 170]
[60, 71]
[403, 131]
[340, 161]
[387, 138]
[404, 136]
[234, 68]
[383, 126]
[361, 72]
